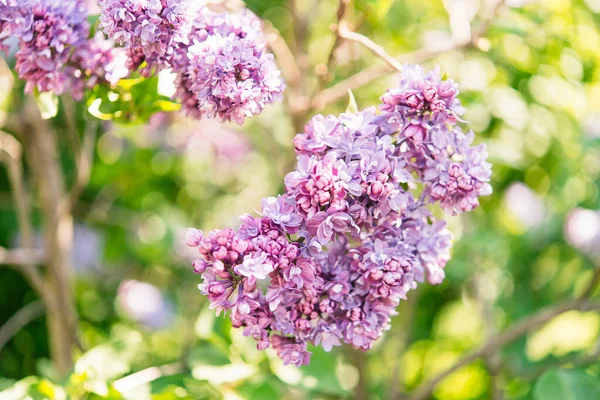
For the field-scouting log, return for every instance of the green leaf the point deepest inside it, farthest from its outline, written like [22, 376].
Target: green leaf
[322, 372]
[383, 6]
[33, 388]
[47, 103]
[94, 109]
[6, 383]
[352, 106]
[265, 391]
[19, 390]
[566, 384]
[208, 354]
[127, 84]
[166, 105]
[164, 383]
[109, 360]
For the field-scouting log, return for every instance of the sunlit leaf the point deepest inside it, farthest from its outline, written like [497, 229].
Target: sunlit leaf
[566, 384]
[218, 375]
[167, 106]
[320, 374]
[19, 389]
[265, 391]
[127, 84]
[352, 106]
[94, 109]
[47, 103]
[383, 6]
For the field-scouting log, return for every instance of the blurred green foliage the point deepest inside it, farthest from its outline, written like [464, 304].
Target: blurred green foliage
[532, 91]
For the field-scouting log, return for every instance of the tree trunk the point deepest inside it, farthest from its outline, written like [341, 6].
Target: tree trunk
[42, 149]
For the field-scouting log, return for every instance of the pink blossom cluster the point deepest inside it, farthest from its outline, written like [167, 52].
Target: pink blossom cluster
[329, 261]
[55, 52]
[221, 62]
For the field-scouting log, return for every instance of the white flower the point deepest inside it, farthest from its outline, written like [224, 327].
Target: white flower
[256, 267]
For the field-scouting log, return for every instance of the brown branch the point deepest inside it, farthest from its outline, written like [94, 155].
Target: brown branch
[19, 320]
[375, 72]
[358, 359]
[345, 33]
[71, 125]
[21, 257]
[11, 154]
[492, 360]
[401, 338]
[326, 67]
[42, 155]
[83, 151]
[297, 102]
[84, 160]
[372, 73]
[285, 56]
[592, 285]
[575, 361]
[504, 338]
[340, 90]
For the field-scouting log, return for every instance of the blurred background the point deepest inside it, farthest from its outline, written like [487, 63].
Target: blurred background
[530, 81]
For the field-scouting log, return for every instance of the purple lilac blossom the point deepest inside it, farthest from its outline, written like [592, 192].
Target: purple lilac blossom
[423, 100]
[220, 60]
[55, 52]
[455, 173]
[232, 78]
[7, 21]
[329, 260]
[151, 30]
[243, 24]
[226, 71]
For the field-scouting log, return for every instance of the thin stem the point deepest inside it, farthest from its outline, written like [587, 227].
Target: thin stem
[400, 339]
[285, 56]
[492, 360]
[21, 257]
[42, 149]
[375, 72]
[359, 359]
[510, 335]
[341, 12]
[84, 162]
[297, 102]
[578, 360]
[71, 125]
[11, 154]
[592, 285]
[345, 33]
[19, 320]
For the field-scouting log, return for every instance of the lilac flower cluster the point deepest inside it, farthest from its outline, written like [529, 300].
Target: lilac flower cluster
[151, 29]
[54, 50]
[243, 25]
[220, 59]
[329, 260]
[232, 77]
[454, 173]
[7, 11]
